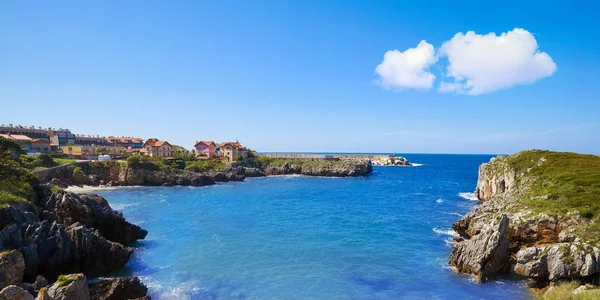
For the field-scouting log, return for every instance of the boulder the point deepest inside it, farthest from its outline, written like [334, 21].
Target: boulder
[118, 288]
[69, 287]
[253, 172]
[92, 211]
[485, 254]
[13, 292]
[12, 267]
[558, 261]
[95, 254]
[50, 250]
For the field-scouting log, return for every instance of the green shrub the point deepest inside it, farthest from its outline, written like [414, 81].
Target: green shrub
[153, 163]
[44, 160]
[10, 145]
[17, 184]
[240, 158]
[205, 166]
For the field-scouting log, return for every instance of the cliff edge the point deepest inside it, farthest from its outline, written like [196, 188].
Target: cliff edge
[551, 204]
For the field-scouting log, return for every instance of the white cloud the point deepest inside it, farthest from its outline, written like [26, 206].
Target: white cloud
[480, 64]
[408, 69]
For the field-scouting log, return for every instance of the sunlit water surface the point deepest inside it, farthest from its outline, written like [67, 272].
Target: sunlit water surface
[383, 236]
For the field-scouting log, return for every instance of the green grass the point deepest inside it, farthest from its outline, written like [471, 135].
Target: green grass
[63, 280]
[205, 165]
[556, 183]
[564, 291]
[62, 161]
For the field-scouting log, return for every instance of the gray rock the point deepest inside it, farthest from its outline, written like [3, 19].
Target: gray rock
[118, 288]
[12, 267]
[558, 261]
[70, 287]
[485, 254]
[13, 292]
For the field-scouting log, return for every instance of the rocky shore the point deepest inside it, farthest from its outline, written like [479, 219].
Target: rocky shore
[63, 233]
[121, 173]
[538, 219]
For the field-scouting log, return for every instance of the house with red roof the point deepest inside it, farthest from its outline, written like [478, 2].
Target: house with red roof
[206, 149]
[230, 151]
[154, 147]
[41, 146]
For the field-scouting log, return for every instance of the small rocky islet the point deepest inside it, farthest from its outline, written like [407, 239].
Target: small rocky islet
[53, 241]
[539, 219]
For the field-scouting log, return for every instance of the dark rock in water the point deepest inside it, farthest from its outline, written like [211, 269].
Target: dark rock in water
[50, 250]
[118, 288]
[12, 267]
[13, 292]
[253, 172]
[69, 287]
[95, 254]
[485, 254]
[92, 211]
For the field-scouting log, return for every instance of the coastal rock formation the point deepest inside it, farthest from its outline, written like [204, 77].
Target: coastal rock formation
[495, 179]
[484, 255]
[92, 211]
[341, 168]
[12, 267]
[549, 201]
[118, 288]
[13, 292]
[558, 261]
[50, 250]
[69, 287]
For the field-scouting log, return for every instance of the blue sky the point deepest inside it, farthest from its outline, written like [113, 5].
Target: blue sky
[294, 75]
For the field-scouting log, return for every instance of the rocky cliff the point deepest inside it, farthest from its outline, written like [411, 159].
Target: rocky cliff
[120, 173]
[539, 214]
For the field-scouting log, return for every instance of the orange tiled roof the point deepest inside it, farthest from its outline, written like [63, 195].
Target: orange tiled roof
[207, 143]
[40, 142]
[156, 143]
[16, 137]
[234, 144]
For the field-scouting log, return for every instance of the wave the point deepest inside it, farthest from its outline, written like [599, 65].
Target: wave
[448, 232]
[452, 213]
[439, 200]
[468, 196]
[416, 164]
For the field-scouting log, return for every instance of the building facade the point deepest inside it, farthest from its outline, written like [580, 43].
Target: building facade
[230, 151]
[154, 147]
[206, 149]
[41, 146]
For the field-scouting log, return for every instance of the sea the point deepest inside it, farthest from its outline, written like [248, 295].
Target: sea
[382, 236]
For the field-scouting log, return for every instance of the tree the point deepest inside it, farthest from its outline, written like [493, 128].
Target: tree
[70, 144]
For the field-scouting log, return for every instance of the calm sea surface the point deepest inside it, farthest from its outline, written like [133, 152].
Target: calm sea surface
[383, 236]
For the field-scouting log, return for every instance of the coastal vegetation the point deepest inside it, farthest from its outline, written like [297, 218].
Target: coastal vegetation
[558, 182]
[205, 165]
[16, 183]
[566, 291]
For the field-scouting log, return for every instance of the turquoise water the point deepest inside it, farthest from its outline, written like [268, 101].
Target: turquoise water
[383, 236]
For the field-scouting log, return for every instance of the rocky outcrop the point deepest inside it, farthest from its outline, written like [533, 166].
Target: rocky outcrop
[485, 254]
[495, 179]
[558, 261]
[69, 287]
[13, 292]
[341, 168]
[92, 211]
[118, 288]
[12, 267]
[50, 250]
[543, 244]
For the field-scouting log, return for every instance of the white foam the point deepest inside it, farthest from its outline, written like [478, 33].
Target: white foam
[452, 213]
[468, 196]
[448, 232]
[439, 200]
[416, 164]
